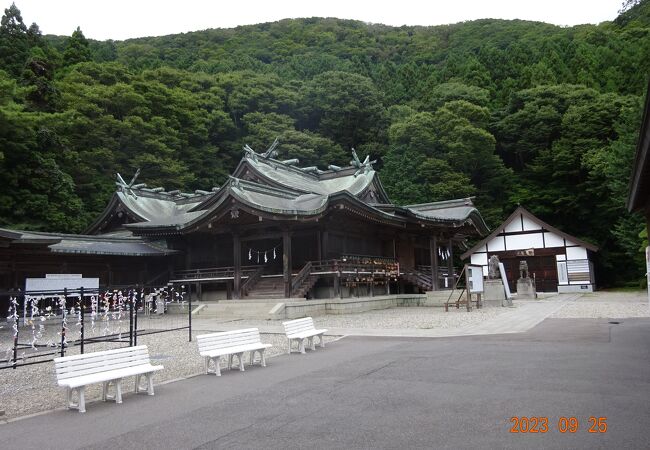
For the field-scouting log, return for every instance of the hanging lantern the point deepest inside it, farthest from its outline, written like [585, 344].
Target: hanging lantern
[273, 252]
[250, 256]
[265, 259]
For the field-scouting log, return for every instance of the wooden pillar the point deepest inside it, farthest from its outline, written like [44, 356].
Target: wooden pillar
[337, 282]
[286, 262]
[319, 246]
[450, 264]
[236, 256]
[325, 244]
[433, 250]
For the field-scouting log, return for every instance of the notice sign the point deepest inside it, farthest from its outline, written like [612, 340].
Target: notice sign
[474, 276]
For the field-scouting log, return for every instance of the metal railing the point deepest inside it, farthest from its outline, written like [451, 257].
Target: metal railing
[46, 324]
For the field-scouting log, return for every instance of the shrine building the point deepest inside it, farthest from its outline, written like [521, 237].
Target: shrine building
[557, 261]
[273, 230]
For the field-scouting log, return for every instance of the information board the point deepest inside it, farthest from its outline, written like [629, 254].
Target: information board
[474, 276]
[57, 284]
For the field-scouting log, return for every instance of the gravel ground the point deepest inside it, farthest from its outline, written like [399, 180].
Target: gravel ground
[606, 304]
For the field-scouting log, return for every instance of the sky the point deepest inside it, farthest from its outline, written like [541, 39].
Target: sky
[124, 19]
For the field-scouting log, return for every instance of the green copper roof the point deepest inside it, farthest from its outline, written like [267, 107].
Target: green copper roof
[282, 191]
[123, 244]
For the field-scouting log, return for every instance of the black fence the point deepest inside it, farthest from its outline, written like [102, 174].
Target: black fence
[41, 326]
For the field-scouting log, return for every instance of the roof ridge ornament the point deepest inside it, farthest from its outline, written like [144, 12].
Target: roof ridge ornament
[271, 152]
[363, 167]
[125, 187]
[250, 152]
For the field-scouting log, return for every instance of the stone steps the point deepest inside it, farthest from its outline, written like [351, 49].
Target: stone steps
[272, 288]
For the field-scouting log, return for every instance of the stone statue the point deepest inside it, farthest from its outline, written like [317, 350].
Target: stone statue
[493, 268]
[523, 269]
[525, 284]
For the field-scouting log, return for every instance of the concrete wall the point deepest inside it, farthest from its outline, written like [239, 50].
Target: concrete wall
[295, 310]
[565, 289]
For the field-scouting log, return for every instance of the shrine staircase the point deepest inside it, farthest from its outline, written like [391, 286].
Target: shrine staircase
[268, 287]
[417, 278]
[303, 281]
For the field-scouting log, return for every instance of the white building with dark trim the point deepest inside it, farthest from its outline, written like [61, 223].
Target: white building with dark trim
[558, 261]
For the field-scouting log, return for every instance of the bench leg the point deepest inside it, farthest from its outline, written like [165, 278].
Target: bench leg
[322, 342]
[216, 361]
[118, 390]
[230, 362]
[302, 345]
[311, 343]
[81, 403]
[240, 356]
[262, 359]
[149, 383]
[82, 399]
[148, 380]
[289, 340]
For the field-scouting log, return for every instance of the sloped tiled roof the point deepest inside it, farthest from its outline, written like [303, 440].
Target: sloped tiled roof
[281, 189]
[123, 244]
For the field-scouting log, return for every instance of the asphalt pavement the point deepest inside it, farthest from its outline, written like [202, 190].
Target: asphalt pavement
[390, 392]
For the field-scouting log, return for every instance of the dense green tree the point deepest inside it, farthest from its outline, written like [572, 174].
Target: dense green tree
[14, 43]
[343, 106]
[77, 49]
[506, 111]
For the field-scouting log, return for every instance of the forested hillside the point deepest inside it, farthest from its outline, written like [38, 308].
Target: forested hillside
[511, 112]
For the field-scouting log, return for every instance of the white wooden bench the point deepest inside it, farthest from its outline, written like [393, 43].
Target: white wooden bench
[109, 368]
[231, 343]
[301, 329]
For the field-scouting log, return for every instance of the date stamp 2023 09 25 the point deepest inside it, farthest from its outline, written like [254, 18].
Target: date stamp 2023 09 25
[563, 424]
